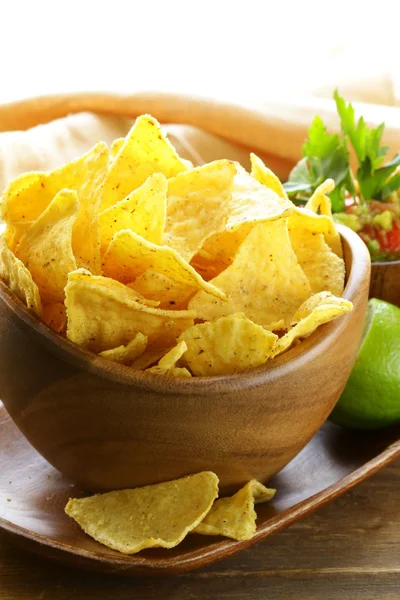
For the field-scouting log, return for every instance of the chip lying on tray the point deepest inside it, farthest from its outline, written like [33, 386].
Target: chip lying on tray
[161, 515]
[163, 267]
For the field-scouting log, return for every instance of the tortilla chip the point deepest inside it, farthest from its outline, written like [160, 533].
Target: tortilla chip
[252, 202]
[29, 195]
[172, 357]
[319, 201]
[170, 294]
[235, 517]
[126, 355]
[218, 252]
[320, 204]
[315, 301]
[158, 515]
[198, 206]
[265, 176]
[130, 255]
[46, 246]
[17, 277]
[227, 345]
[325, 271]
[167, 364]
[54, 315]
[149, 358]
[317, 310]
[116, 146]
[264, 281]
[175, 371]
[103, 314]
[145, 151]
[143, 211]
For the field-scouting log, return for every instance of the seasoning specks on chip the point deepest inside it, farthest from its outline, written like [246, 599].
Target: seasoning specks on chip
[235, 517]
[171, 269]
[159, 515]
[228, 345]
[145, 151]
[266, 286]
[46, 246]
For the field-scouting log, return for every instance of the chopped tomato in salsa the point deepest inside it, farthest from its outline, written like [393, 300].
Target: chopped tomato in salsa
[377, 223]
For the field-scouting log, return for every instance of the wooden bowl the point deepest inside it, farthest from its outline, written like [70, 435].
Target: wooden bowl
[385, 281]
[108, 427]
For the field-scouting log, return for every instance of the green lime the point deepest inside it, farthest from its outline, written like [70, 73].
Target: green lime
[371, 398]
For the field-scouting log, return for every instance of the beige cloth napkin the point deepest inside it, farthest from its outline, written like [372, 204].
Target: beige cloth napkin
[59, 128]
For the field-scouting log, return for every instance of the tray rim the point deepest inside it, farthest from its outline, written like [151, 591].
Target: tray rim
[216, 550]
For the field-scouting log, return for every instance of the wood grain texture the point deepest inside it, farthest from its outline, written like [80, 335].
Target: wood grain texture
[107, 426]
[349, 549]
[385, 281]
[33, 496]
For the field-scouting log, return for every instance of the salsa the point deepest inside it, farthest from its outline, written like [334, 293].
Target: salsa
[377, 223]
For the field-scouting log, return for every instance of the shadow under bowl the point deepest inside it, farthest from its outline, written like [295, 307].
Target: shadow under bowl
[109, 427]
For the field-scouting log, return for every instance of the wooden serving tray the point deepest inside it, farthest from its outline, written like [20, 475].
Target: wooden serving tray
[33, 495]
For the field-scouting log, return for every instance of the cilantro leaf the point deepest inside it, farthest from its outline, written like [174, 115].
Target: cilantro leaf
[391, 186]
[372, 178]
[319, 143]
[324, 156]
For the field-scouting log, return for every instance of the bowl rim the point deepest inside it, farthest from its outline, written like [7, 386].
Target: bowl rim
[382, 263]
[290, 360]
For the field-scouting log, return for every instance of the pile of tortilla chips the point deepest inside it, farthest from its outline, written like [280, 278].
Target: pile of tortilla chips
[136, 255]
[162, 515]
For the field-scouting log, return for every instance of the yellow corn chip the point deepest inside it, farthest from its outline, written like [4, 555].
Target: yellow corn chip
[227, 345]
[158, 515]
[265, 176]
[303, 218]
[316, 300]
[264, 281]
[317, 310]
[198, 206]
[116, 146]
[129, 255]
[320, 204]
[219, 250]
[250, 203]
[171, 358]
[104, 314]
[175, 371]
[124, 292]
[14, 274]
[148, 358]
[235, 517]
[143, 211]
[145, 151]
[46, 246]
[29, 195]
[126, 355]
[313, 225]
[54, 315]
[170, 293]
[324, 270]
[319, 201]
[167, 364]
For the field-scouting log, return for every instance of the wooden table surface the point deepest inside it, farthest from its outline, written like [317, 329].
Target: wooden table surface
[349, 549]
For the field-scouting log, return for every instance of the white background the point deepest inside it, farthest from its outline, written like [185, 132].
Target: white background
[238, 48]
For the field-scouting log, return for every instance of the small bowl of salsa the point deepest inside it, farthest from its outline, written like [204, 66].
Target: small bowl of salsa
[378, 225]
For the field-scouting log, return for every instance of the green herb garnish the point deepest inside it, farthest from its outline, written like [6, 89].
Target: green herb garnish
[327, 156]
